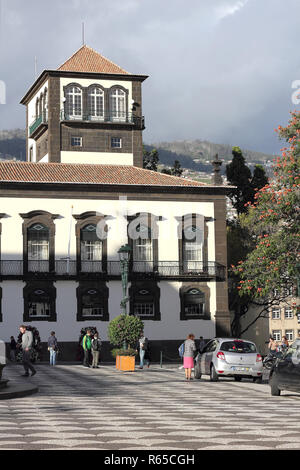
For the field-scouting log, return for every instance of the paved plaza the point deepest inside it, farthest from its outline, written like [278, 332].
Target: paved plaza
[151, 409]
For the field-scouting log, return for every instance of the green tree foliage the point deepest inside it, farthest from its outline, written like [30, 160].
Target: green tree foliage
[175, 171]
[150, 159]
[125, 328]
[273, 221]
[239, 175]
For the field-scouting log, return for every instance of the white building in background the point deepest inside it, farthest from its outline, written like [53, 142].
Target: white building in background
[67, 210]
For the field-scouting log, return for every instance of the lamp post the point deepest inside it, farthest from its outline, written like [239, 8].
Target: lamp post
[124, 256]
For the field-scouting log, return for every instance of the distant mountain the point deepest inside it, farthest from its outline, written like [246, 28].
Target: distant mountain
[194, 155]
[13, 145]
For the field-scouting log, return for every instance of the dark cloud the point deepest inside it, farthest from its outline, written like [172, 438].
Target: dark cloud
[220, 70]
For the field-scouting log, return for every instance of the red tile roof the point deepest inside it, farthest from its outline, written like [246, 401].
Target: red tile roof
[89, 61]
[88, 174]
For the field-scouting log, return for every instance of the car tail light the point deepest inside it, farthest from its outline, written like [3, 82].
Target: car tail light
[221, 356]
[258, 358]
[220, 371]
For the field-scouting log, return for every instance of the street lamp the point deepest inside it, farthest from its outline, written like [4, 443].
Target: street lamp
[124, 256]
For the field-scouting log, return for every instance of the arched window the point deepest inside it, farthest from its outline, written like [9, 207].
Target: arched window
[118, 105]
[41, 105]
[90, 249]
[96, 103]
[46, 104]
[73, 105]
[145, 300]
[194, 303]
[39, 303]
[38, 248]
[92, 303]
[37, 108]
[193, 248]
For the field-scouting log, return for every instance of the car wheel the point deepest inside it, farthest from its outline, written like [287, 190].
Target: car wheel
[237, 378]
[257, 379]
[197, 373]
[275, 392]
[213, 375]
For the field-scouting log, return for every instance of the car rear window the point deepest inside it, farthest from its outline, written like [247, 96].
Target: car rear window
[238, 347]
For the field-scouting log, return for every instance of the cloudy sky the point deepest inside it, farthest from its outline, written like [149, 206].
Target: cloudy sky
[220, 70]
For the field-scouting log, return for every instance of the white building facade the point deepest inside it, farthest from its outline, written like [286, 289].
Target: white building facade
[81, 195]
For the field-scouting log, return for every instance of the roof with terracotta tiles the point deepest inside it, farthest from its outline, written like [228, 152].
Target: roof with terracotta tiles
[70, 173]
[89, 61]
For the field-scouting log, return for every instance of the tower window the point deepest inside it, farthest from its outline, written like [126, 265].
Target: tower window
[74, 102]
[116, 143]
[76, 141]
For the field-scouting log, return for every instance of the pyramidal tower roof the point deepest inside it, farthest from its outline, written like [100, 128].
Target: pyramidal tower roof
[88, 60]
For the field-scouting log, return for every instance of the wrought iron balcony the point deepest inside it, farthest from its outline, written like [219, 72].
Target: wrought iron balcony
[40, 123]
[106, 117]
[111, 269]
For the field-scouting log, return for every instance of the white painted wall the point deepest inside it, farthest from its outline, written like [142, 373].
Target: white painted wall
[66, 327]
[98, 158]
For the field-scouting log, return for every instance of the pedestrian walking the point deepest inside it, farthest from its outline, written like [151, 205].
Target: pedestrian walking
[87, 346]
[143, 344]
[52, 348]
[188, 357]
[273, 346]
[27, 342]
[13, 349]
[96, 348]
[285, 344]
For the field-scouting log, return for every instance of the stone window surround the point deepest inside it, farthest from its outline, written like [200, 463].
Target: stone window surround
[46, 219]
[84, 219]
[152, 287]
[205, 290]
[102, 288]
[85, 92]
[49, 288]
[186, 221]
[152, 222]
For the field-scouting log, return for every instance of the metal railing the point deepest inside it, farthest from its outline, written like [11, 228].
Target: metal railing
[161, 269]
[107, 117]
[41, 119]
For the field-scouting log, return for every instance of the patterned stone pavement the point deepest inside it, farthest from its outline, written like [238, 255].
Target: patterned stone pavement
[155, 409]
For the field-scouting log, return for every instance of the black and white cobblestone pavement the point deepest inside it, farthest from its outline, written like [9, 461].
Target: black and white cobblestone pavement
[151, 409]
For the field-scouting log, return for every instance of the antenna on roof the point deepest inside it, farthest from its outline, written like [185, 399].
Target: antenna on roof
[83, 38]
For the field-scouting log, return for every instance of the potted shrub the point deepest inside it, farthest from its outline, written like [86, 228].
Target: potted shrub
[124, 332]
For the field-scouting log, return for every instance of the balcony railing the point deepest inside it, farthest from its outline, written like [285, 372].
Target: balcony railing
[118, 118]
[111, 269]
[40, 120]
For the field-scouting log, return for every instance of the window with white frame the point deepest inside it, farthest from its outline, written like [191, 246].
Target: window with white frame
[96, 103]
[192, 249]
[290, 335]
[194, 303]
[288, 312]
[74, 102]
[38, 248]
[39, 304]
[116, 143]
[118, 104]
[76, 141]
[91, 249]
[92, 304]
[143, 305]
[276, 313]
[143, 249]
[276, 335]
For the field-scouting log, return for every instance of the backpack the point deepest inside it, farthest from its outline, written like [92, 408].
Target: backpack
[181, 350]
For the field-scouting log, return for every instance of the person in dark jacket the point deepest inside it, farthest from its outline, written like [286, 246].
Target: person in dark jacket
[52, 348]
[13, 348]
[96, 348]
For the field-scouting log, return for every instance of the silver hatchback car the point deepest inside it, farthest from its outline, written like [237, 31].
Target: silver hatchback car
[226, 357]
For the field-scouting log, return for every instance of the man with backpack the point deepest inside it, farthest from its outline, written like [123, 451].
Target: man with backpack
[87, 346]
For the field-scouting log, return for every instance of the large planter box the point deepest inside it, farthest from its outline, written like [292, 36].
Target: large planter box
[125, 363]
